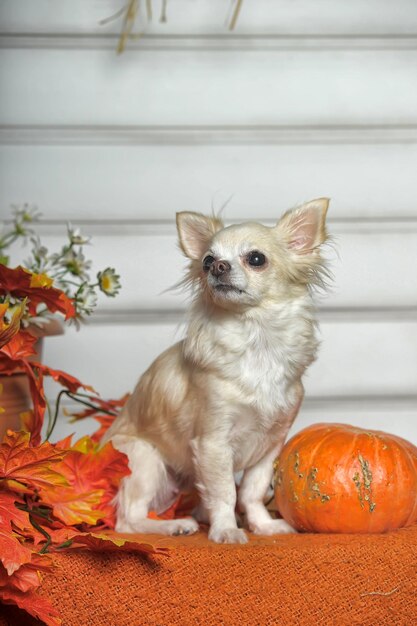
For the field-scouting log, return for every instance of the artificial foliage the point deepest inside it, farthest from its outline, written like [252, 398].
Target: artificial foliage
[65, 270]
[53, 496]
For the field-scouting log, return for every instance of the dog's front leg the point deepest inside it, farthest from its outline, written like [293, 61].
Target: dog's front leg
[253, 488]
[256, 479]
[213, 460]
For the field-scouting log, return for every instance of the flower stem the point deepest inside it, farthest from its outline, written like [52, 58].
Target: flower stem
[53, 424]
[73, 396]
[43, 532]
[78, 397]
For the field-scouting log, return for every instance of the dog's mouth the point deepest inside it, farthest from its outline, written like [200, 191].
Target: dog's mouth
[224, 288]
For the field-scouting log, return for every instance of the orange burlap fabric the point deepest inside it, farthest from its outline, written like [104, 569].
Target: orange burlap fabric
[285, 580]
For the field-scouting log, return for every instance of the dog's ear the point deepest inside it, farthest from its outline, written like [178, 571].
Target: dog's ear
[304, 227]
[195, 232]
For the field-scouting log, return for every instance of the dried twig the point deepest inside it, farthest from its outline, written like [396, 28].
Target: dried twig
[235, 14]
[128, 23]
[131, 10]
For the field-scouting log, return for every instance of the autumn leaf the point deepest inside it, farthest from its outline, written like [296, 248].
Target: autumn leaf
[105, 420]
[13, 358]
[33, 604]
[27, 421]
[94, 475]
[28, 466]
[24, 579]
[12, 553]
[64, 444]
[40, 280]
[36, 372]
[21, 283]
[107, 540]
[27, 577]
[11, 516]
[10, 365]
[37, 392]
[72, 507]
[20, 346]
[21, 567]
[8, 330]
[181, 507]
[66, 380]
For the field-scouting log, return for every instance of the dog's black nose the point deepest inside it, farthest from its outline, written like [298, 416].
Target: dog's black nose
[220, 267]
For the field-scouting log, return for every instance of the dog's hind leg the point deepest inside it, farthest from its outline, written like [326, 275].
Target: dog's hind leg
[149, 487]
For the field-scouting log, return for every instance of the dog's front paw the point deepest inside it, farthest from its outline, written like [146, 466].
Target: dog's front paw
[227, 535]
[186, 526]
[273, 527]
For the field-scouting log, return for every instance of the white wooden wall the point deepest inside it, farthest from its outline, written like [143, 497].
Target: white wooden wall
[305, 99]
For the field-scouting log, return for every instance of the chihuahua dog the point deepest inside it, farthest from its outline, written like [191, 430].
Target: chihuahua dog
[222, 400]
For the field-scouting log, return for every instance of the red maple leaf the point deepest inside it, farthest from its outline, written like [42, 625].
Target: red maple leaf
[21, 283]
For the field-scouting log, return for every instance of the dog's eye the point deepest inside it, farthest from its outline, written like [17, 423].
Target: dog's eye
[256, 259]
[208, 262]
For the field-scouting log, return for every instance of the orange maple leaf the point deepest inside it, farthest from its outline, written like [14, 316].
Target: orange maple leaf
[66, 380]
[93, 475]
[107, 541]
[20, 566]
[72, 507]
[27, 577]
[12, 553]
[35, 605]
[20, 346]
[28, 468]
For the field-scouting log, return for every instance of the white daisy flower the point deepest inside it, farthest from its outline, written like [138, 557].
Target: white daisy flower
[86, 300]
[75, 263]
[75, 236]
[108, 281]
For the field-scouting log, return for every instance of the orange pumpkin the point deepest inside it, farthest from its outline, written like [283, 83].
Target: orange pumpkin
[338, 478]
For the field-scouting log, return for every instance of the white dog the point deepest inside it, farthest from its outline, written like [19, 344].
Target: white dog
[223, 399]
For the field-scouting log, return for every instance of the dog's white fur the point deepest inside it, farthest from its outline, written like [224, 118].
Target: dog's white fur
[223, 399]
